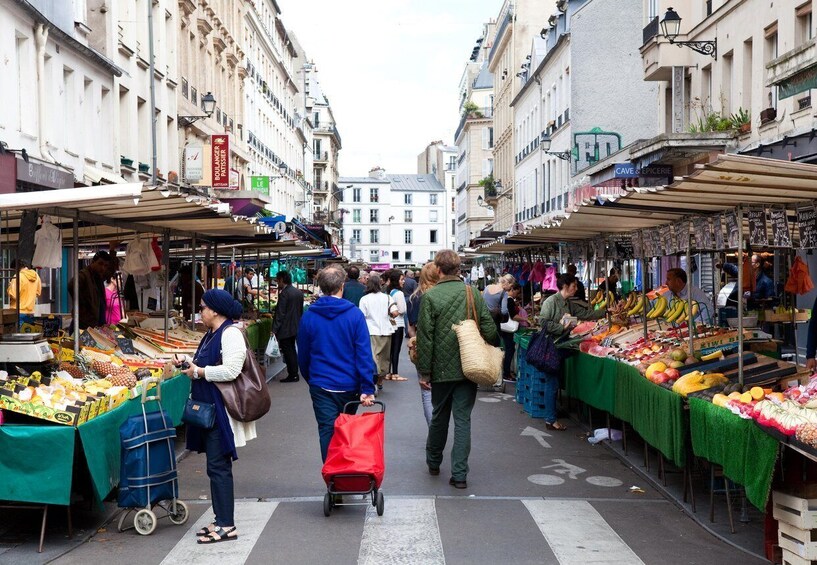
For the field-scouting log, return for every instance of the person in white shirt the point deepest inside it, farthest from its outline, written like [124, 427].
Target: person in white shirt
[395, 290]
[379, 310]
[677, 283]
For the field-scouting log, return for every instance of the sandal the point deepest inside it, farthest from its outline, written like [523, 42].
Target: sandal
[219, 534]
[206, 530]
[558, 426]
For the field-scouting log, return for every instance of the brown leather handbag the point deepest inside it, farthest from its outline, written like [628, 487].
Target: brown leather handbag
[246, 398]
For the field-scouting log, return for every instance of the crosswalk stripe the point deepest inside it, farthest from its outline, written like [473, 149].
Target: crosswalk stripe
[251, 518]
[578, 535]
[407, 533]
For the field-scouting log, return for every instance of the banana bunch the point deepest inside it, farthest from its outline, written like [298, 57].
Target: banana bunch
[659, 307]
[695, 381]
[681, 312]
[638, 306]
[598, 298]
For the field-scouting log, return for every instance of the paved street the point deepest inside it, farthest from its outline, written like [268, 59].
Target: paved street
[533, 497]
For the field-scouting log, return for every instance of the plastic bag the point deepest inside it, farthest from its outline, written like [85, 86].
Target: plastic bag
[601, 434]
[273, 350]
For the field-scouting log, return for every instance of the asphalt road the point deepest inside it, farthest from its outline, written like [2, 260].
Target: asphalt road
[532, 497]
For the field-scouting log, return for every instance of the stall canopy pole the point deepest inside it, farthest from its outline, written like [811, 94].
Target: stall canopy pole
[166, 294]
[76, 284]
[644, 293]
[215, 265]
[793, 305]
[690, 318]
[193, 284]
[740, 295]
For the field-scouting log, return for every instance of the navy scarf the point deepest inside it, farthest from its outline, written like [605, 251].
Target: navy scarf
[209, 353]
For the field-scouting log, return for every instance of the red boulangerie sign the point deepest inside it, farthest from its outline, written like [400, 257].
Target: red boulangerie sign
[221, 161]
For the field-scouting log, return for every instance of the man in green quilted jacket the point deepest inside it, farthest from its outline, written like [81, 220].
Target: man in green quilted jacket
[439, 367]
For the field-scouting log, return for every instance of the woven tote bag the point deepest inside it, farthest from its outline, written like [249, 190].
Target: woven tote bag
[481, 362]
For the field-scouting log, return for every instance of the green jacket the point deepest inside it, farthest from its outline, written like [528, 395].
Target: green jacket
[555, 306]
[438, 352]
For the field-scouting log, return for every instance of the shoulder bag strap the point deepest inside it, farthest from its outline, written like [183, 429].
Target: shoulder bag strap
[470, 308]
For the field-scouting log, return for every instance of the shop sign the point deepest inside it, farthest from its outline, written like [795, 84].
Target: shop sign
[260, 184]
[41, 175]
[234, 178]
[800, 82]
[220, 161]
[8, 174]
[656, 171]
[625, 171]
[193, 163]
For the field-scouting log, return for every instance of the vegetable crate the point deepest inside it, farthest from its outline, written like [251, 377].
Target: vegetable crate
[797, 526]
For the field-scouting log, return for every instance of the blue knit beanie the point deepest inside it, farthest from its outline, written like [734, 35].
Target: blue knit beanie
[221, 302]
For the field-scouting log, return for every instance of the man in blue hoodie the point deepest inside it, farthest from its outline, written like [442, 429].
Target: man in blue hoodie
[335, 354]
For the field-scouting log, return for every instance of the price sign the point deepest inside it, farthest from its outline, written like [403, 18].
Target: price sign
[625, 249]
[638, 248]
[780, 227]
[681, 236]
[125, 344]
[86, 339]
[717, 228]
[807, 224]
[657, 248]
[758, 234]
[732, 228]
[666, 243]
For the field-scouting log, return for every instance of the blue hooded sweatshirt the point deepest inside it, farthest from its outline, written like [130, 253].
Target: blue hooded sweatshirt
[334, 351]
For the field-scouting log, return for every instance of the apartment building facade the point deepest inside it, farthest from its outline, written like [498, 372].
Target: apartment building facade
[326, 146]
[440, 160]
[393, 220]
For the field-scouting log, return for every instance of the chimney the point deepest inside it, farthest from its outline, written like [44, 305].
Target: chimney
[378, 172]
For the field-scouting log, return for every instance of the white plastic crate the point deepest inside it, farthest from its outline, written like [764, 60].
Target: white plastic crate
[797, 511]
[790, 558]
[802, 543]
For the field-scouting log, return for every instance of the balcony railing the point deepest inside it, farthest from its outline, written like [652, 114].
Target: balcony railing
[322, 186]
[650, 30]
[321, 156]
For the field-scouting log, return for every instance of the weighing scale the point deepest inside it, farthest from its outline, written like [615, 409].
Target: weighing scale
[25, 353]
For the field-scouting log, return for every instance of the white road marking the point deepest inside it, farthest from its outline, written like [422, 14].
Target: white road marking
[578, 535]
[601, 481]
[546, 480]
[407, 533]
[489, 399]
[538, 434]
[251, 518]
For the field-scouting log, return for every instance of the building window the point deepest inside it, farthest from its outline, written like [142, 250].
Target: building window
[356, 236]
[432, 217]
[374, 236]
[408, 216]
[802, 29]
[431, 255]
[374, 255]
[433, 236]
[395, 255]
[373, 195]
[407, 239]
[355, 195]
[407, 199]
[373, 216]
[408, 255]
[432, 199]
[356, 216]
[194, 95]
[185, 87]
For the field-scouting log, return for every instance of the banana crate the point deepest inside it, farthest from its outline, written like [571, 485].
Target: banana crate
[799, 316]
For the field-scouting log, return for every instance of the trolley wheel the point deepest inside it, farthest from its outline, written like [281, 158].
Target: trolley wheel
[145, 521]
[122, 517]
[381, 503]
[327, 504]
[181, 515]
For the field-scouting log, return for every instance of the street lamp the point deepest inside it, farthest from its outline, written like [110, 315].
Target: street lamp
[481, 203]
[671, 28]
[545, 143]
[208, 104]
[4, 148]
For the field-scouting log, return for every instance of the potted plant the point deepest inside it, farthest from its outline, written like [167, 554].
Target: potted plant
[742, 121]
[125, 162]
[471, 110]
[144, 168]
[768, 115]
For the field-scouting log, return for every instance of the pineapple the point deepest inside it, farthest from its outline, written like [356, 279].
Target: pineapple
[118, 375]
[72, 370]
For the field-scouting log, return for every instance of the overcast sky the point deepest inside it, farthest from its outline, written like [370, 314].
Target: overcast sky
[390, 69]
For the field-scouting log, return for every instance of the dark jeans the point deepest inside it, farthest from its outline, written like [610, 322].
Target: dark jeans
[447, 398]
[396, 346]
[551, 395]
[287, 345]
[220, 471]
[510, 349]
[328, 406]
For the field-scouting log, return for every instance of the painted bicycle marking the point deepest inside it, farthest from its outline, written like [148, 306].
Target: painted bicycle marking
[563, 469]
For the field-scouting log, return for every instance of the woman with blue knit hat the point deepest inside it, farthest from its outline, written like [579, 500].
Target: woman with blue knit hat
[219, 357]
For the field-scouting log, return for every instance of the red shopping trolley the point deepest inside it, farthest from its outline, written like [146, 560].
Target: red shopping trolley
[355, 462]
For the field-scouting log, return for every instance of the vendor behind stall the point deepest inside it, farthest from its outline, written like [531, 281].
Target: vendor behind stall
[185, 283]
[30, 288]
[91, 281]
[676, 281]
[763, 293]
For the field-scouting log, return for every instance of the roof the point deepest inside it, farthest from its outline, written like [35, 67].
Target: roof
[485, 78]
[361, 180]
[415, 183]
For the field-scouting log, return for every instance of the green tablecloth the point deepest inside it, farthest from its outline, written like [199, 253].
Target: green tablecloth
[746, 453]
[259, 332]
[592, 380]
[36, 463]
[100, 436]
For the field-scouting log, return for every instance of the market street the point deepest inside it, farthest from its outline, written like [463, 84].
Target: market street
[513, 510]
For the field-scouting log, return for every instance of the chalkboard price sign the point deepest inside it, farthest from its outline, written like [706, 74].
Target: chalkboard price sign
[657, 248]
[732, 229]
[780, 227]
[681, 236]
[758, 234]
[666, 245]
[807, 223]
[717, 225]
[625, 249]
[126, 345]
[638, 248]
[86, 339]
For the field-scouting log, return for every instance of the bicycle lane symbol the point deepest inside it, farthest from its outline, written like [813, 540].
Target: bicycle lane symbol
[563, 469]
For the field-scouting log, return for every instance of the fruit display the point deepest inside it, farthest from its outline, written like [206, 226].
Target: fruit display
[696, 381]
[602, 300]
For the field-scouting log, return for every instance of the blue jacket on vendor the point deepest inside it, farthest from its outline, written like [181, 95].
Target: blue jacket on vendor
[334, 351]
